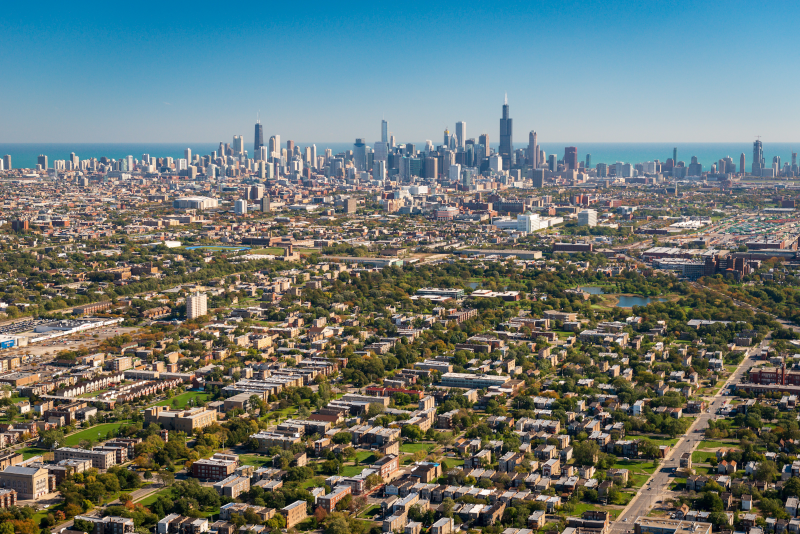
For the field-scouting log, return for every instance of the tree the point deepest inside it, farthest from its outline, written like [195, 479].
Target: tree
[375, 408]
[766, 471]
[412, 432]
[341, 438]
[447, 507]
[337, 525]
[166, 478]
[586, 452]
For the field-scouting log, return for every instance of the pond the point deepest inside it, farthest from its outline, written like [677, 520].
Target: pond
[474, 285]
[629, 301]
[592, 290]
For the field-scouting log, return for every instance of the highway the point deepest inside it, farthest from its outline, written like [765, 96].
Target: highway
[656, 489]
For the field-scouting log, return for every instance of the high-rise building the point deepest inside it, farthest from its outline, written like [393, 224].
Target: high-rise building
[7, 161]
[196, 306]
[187, 155]
[289, 148]
[240, 207]
[384, 132]
[461, 134]
[42, 160]
[275, 146]
[484, 140]
[588, 161]
[552, 163]
[238, 145]
[571, 158]
[455, 172]
[360, 155]
[533, 150]
[431, 167]
[675, 155]
[265, 207]
[758, 157]
[506, 136]
[587, 218]
[380, 152]
[741, 164]
[538, 178]
[255, 192]
[379, 170]
[259, 137]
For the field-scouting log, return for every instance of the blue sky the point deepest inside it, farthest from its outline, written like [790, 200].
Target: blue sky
[328, 72]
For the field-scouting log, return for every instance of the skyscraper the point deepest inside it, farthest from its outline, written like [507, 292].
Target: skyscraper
[758, 157]
[552, 163]
[359, 155]
[533, 150]
[675, 155]
[274, 146]
[461, 134]
[259, 137]
[384, 131]
[42, 160]
[187, 155]
[506, 136]
[289, 148]
[588, 161]
[484, 140]
[238, 145]
[741, 164]
[7, 161]
[446, 142]
[571, 158]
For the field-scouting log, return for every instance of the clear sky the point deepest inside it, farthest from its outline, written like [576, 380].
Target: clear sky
[329, 71]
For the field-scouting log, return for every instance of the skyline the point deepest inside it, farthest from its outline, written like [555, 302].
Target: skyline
[119, 77]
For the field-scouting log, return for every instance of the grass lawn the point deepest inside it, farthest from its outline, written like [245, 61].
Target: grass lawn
[370, 512]
[678, 484]
[365, 457]
[254, 459]
[184, 398]
[28, 452]
[351, 470]
[411, 448]
[150, 499]
[639, 480]
[91, 434]
[717, 444]
[275, 251]
[702, 457]
[624, 498]
[453, 462]
[635, 466]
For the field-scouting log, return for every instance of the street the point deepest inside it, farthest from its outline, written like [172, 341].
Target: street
[656, 489]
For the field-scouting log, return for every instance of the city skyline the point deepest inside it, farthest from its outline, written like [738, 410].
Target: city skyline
[660, 90]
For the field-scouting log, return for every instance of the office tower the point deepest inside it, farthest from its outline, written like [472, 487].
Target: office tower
[7, 161]
[259, 137]
[255, 192]
[313, 156]
[274, 146]
[42, 160]
[129, 159]
[379, 170]
[265, 207]
[289, 148]
[533, 150]
[776, 162]
[758, 157]
[380, 152]
[431, 167]
[461, 134]
[240, 208]
[391, 141]
[238, 145]
[741, 164]
[187, 155]
[588, 161]
[506, 136]
[307, 157]
[196, 306]
[587, 218]
[483, 139]
[411, 149]
[538, 178]
[262, 154]
[552, 163]
[675, 155]
[360, 155]
[571, 158]
[602, 170]
[384, 132]
[75, 160]
[455, 173]
[446, 142]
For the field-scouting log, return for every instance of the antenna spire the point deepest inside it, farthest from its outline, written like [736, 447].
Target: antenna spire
[505, 101]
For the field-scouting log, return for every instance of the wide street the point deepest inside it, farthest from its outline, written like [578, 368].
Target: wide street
[656, 489]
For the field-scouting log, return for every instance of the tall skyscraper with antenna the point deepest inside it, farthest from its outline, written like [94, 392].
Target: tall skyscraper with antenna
[758, 157]
[506, 136]
[259, 137]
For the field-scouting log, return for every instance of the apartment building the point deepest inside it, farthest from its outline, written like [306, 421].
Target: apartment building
[180, 420]
[294, 513]
[28, 482]
[102, 459]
